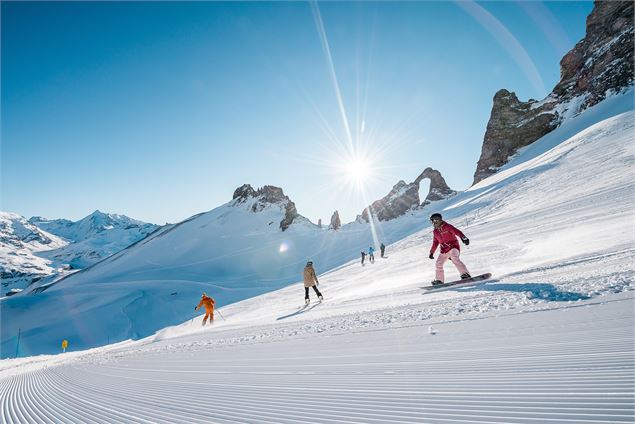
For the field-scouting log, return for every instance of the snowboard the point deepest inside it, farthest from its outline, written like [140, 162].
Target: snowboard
[474, 279]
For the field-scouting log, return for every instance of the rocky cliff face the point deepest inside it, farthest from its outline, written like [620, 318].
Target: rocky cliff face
[404, 197]
[265, 196]
[600, 64]
[603, 60]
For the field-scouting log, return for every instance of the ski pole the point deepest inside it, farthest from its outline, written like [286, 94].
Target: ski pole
[221, 315]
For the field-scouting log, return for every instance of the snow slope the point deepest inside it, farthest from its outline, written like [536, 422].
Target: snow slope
[230, 252]
[550, 340]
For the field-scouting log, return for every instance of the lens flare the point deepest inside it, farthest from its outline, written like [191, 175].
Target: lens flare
[283, 247]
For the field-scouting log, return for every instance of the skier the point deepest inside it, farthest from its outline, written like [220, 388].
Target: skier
[371, 254]
[445, 235]
[208, 303]
[310, 280]
[363, 257]
[382, 247]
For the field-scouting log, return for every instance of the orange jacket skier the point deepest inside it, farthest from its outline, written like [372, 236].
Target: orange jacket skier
[208, 303]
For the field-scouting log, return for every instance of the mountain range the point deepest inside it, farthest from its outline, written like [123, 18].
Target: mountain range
[39, 248]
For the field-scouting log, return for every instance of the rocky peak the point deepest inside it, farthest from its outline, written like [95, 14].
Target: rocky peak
[601, 63]
[405, 196]
[512, 125]
[336, 223]
[243, 192]
[265, 196]
[439, 189]
[603, 59]
[272, 194]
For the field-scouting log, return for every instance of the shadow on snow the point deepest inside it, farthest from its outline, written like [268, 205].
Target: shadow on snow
[302, 310]
[539, 291]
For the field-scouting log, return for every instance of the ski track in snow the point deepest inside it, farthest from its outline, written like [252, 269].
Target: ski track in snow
[558, 367]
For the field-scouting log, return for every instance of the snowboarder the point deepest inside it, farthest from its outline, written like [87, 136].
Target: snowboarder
[445, 235]
[363, 257]
[310, 280]
[371, 254]
[382, 248]
[208, 303]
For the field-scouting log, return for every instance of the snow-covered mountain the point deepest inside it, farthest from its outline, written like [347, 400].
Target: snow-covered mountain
[238, 250]
[93, 238]
[549, 340]
[38, 248]
[92, 226]
[19, 242]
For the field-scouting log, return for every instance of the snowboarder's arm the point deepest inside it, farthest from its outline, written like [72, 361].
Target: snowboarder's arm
[455, 231]
[199, 305]
[459, 234]
[435, 243]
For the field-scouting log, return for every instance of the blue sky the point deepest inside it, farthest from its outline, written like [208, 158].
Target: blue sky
[160, 110]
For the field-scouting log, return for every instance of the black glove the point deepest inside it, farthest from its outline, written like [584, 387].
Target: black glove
[195, 308]
[466, 241]
[431, 256]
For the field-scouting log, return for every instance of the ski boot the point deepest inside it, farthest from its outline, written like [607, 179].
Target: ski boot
[306, 301]
[320, 297]
[437, 283]
[465, 276]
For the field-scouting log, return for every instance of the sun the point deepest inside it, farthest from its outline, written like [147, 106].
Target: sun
[357, 170]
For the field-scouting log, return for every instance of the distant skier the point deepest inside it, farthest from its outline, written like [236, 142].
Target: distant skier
[371, 254]
[445, 235]
[382, 248]
[310, 280]
[363, 257]
[208, 303]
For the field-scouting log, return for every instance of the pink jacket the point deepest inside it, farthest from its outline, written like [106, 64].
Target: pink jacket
[446, 237]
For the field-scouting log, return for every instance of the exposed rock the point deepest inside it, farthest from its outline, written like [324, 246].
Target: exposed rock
[404, 197]
[603, 59]
[601, 63]
[439, 189]
[244, 192]
[271, 194]
[336, 223]
[319, 223]
[401, 199]
[265, 196]
[512, 125]
[290, 214]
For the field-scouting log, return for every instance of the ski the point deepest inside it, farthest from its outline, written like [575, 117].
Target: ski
[475, 279]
